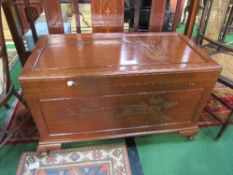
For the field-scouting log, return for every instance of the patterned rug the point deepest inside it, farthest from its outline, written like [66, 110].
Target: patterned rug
[226, 94]
[111, 159]
[28, 132]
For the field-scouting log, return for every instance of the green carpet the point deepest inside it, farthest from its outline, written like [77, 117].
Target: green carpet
[16, 69]
[174, 155]
[181, 29]
[9, 157]
[168, 154]
[228, 38]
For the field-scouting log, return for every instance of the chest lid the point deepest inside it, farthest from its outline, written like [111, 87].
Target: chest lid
[65, 56]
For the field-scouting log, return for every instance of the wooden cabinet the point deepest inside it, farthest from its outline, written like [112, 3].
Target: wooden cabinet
[37, 8]
[101, 86]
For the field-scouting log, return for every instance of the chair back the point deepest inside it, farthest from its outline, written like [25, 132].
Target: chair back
[108, 15]
[163, 12]
[53, 14]
[16, 28]
[32, 15]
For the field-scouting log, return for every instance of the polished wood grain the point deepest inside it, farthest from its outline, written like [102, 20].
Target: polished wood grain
[191, 18]
[157, 15]
[107, 15]
[178, 14]
[118, 111]
[53, 14]
[101, 86]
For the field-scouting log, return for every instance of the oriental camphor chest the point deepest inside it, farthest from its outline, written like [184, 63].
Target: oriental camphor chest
[102, 86]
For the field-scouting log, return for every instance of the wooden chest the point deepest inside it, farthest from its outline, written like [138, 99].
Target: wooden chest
[101, 86]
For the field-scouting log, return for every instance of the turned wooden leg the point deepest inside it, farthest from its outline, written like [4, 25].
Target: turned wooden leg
[45, 147]
[190, 133]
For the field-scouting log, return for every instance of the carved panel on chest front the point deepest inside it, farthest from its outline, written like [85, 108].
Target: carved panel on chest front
[120, 110]
[155, 107]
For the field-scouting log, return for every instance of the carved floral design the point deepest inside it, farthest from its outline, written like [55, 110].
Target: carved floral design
[148, 47]
[156, 108]
[152, 50]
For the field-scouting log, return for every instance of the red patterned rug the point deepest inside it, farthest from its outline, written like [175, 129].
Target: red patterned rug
[226, 94]
[111, 159]
[29, 133]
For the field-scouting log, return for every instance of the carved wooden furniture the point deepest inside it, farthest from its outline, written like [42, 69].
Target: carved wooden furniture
[8, 89]
[108, 15]
[101, 86]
